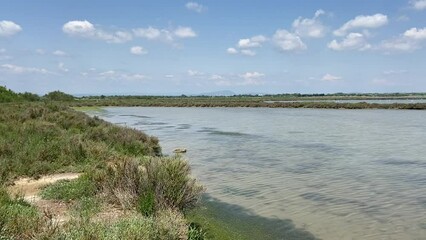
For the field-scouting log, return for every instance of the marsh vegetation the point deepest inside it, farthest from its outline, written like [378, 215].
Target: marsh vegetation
[120, 168]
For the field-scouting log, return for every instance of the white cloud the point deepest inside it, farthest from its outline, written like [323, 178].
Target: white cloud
[418, 4]
[248, 52]
[169, 76]
[287, 41]
[114, 75]
[184, 32]
[252, 78]
[416, 34]
[62, 67]
[2, 50]
[353, 41]
[410, 40]
[9, 28]
[85, 29]
[252, 42]
[164, 35]
[196, 7]
[232, 51]
[23, 70]
[59, 53]
[194, 73]
[138, 50]
[310, 27]
[330, 78]
[148, 33]
[362, 21]
[216, 77]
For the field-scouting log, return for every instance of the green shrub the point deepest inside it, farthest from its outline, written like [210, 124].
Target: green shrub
[146, 203]
[170, 224]
[58, 96]
[174, 187]
[195, 232]
[130, 182]
[70, 189]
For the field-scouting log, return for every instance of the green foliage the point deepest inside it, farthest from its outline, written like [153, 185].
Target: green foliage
[59, 96]
[37, 138]
[68, 190]
[166, 225]
[195, 232]
[131, 182]
[7, 95]
[146, 203]
[171, 181]
[31, 97]
[20, 220]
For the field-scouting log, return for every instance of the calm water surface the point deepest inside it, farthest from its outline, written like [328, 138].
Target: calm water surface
[339, 174]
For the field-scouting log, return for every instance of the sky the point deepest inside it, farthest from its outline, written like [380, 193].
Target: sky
[190, 47]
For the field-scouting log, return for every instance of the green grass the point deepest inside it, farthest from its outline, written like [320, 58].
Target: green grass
[119, 166]
[68, 190]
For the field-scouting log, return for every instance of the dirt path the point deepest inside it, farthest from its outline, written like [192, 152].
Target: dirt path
[30, 188]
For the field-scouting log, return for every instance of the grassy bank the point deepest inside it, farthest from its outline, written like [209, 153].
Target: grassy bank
[120, 168]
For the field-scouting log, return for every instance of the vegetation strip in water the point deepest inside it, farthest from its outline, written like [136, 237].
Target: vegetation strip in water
[267, 101]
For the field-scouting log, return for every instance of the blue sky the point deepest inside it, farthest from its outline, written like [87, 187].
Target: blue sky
[190, 47]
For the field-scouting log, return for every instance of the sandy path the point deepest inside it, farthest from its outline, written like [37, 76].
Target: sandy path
[30, 188]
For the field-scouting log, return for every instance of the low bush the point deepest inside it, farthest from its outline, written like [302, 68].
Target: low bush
[68, 190]
[133, 182]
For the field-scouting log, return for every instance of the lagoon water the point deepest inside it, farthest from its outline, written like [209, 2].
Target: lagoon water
[339, 174]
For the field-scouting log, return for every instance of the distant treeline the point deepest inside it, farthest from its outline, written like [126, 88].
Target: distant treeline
[309, 100]
[7, 95]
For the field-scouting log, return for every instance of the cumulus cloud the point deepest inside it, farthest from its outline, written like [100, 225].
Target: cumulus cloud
[148, 33]
[138, 50]
[15, 69]
[415, 34]
[353, 41]
[86, 29]
[58, 53]
[164, 35]
[252, 78]
[330, 78]
[9, 28]
[418, 4]
[232, 51]
[363, 22]
[410, 40]
[252, 42]
[184, 32]
[196, 7]
[287, 41]
[310, 27]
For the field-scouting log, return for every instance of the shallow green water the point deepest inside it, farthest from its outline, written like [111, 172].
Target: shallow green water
[336, 174]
